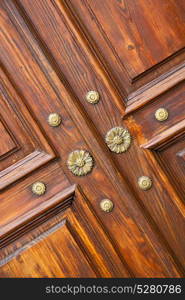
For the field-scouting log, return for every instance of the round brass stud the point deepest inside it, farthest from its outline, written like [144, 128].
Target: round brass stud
[54, 119]
[80, 162]
[106, 205]
[118, 139]
[161, 114]
[39, 188]
[144, 183]
[92, 97]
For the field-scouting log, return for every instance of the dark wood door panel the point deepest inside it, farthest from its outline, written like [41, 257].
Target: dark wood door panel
[17, 202]
[8, 144]
[58, 229]
[173, 101]
[32, 149]
[46, 258]
[126, 224]
[170, 152]
[173, 160]
[136, 38]
[146, 31]
[50, 68]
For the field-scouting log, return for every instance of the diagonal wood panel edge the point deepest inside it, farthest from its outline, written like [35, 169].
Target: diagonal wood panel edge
[23, 167]
[165, 137]
[36, 216]
[44, 152]
[155, 88]
[72, 197]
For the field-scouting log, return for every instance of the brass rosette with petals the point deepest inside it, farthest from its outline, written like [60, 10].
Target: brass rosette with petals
[80, 162]
[118, 139]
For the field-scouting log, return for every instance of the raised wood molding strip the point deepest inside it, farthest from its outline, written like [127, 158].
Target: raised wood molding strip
[166, 136]
[155, 88]
[37, 216]
[94, 57]
[8, 141]
[181, 154]
[39, 238]
[23, 167]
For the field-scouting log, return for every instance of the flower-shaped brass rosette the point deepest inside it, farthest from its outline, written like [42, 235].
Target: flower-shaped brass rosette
[80, 162]
[118, 139]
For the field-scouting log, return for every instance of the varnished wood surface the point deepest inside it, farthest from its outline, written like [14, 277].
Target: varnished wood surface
[128, 24]
[155, 88]
[8, 144]
[48, 69]
[173, 101]
[138, 40]
[173, 160]
[37, 260]
[50, 218]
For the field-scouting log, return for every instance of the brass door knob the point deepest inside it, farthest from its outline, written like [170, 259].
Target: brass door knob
[106, 205]
[144, 183]
[54, 119]
[38, 188]
[92, 97]
[161, 114]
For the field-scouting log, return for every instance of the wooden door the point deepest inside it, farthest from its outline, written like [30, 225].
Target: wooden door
[92, 151]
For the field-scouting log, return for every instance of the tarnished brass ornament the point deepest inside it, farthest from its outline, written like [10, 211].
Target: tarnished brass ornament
[106, 205]
[144, 182]
[92, 97]
[118, 139]
[80, 162]
[161, 114]
[54, 119]
[39, 188]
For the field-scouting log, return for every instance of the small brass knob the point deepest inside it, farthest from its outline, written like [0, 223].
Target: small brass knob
[106, 205]
[161, 114]
[92, 97]
[38, 188]
[54, 119]
[80, 162]
[144, 183]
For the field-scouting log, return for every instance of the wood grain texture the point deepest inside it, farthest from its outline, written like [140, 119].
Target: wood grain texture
[7, 143]
[96, 179]
[138, 20]
[169, 149]
[32, 149]
[93, 112]
[136, 39]
[173, 101]
[173, 161]
[55, 67]
[155, 88]
[37, 260]
[17, 203]
[99, 253]
[37, 215]
[165, 137]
